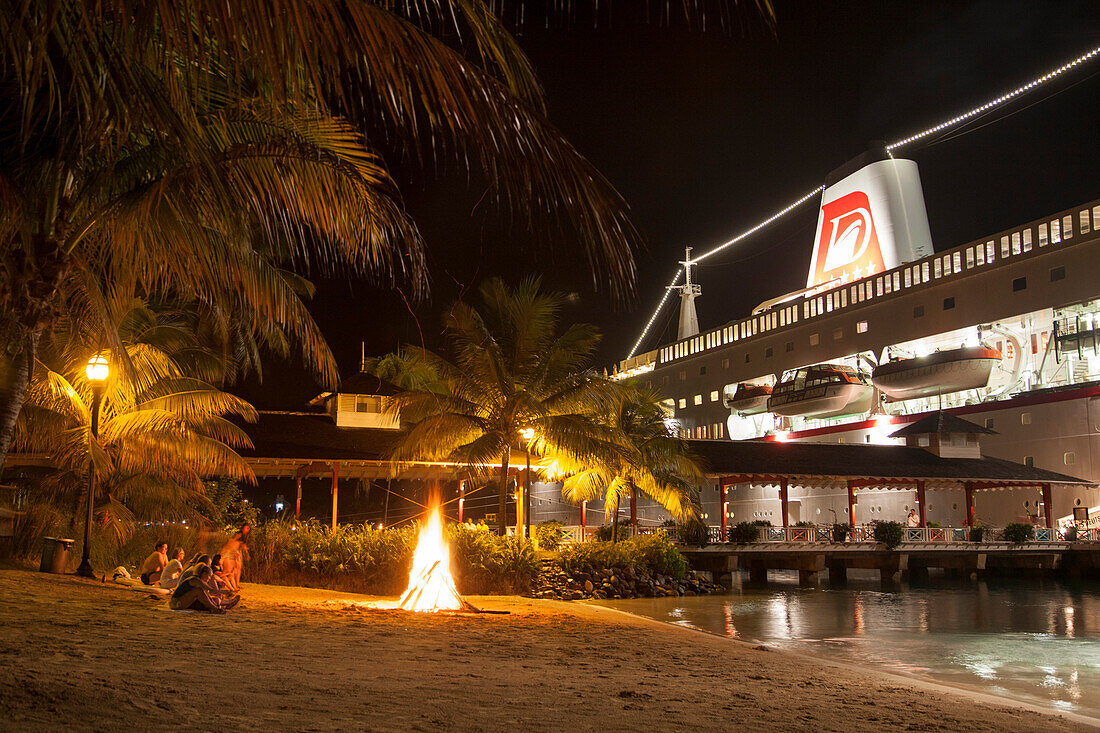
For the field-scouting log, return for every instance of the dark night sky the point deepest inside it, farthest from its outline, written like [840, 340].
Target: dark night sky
[706, 133]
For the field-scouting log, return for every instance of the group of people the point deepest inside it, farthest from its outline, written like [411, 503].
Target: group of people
[203, 583]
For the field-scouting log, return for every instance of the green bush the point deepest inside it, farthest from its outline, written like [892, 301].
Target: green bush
[651, 553]
[804, 523]
[484, 562]
[549, 534]
[693, 533]
[744, 532]
[1019, 533]
[889, 534]
[840, 532]
[603, 532]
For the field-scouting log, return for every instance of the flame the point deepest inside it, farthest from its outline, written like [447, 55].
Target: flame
[431, 587]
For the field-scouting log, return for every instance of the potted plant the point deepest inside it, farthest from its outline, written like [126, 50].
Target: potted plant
[840, 532]
[977, 531]
[1018, 533]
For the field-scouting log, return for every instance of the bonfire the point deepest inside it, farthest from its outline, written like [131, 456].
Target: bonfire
[431, 586]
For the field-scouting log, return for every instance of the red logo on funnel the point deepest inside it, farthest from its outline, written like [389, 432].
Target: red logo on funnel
[847, 247]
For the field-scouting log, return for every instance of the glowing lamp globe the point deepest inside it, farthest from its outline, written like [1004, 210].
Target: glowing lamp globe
[97, 369]
[528, 434]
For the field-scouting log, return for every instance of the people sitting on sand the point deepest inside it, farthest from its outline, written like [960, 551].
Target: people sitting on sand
[154, 565]
[170, 576]
[218, 571]
[233, 556]
[193, 594]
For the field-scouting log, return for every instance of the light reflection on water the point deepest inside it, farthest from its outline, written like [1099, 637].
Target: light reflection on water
[1036, 640]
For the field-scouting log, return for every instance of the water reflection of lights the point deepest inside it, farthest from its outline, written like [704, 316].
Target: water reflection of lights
[1067, 612]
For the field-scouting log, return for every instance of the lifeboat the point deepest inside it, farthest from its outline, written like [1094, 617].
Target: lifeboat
[953, 370]
[749, 399]
[824, 390]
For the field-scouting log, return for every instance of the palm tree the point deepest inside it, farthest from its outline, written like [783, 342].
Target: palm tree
[163, 427]
[183, 147]
[509, 370]
[642, 456]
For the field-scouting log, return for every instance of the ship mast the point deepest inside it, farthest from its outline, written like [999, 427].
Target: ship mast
[689, 321]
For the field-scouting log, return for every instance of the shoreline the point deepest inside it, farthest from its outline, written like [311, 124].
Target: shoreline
[101, 656]
[958, 688]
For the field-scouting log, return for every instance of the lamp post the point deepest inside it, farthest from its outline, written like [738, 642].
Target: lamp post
[97, 371]
[528, 435]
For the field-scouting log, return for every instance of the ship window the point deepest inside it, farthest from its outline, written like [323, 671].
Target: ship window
[1055, 231]
[698, 399]
[1025, 418]
[783, 317]
[969, 257]
[878, 286]
[925, 274]
[1004, 246]
[1057, 273]
[768, 353]
[367, 403]
[1043, 239]
[936, 268]
[1016, 243]
[957, 259]
[725, 363]
[714, 395]
[918, 311]
[897, 281]
[989, 423]
[886, 286]
[843, 298]
[683, 374]
[861, 327]
[979, 254]
[790, 346]
[990, 251]
[922, 441]
[1027, 240]
[1067, 227]
[908, 277]
[702, 371]
[683, 403]
[747, 358]
[1069, 458]
[813, 339]
[1029, 461]
[1019, 283]
[948, 303]
[838, 334]
[1095, 216]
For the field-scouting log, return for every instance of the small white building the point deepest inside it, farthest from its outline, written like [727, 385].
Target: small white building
[361, 401]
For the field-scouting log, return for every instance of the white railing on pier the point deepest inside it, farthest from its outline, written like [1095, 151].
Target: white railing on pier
[910, 535]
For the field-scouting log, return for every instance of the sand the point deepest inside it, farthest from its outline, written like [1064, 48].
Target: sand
[79, 654]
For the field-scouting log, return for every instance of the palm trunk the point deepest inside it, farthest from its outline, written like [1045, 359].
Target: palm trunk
[615, 522]
[13, 394]
[633, 510]
[502, 497]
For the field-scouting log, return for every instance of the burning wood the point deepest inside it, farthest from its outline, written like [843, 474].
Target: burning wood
[431, 587]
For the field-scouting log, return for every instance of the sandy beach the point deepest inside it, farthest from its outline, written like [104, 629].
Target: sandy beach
[77, 654]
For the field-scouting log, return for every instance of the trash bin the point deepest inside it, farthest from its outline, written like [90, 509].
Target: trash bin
[55, 555]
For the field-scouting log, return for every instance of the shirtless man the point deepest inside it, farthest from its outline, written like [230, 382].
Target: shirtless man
[233, 555]
[154, 564]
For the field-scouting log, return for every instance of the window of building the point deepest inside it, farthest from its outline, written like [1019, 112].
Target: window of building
[698, 399]
[838, 334]
[367, 403]
[861, 327]
[1069, 458]
[918, 311]
[747, 358]
[1025, 418]
[948, 303]
[790, 346]
[814, 339]
[989, 423]
[714, 395]
[683, 375]
[683, 403]
[1019, 284]
[768, 353]
[1057, 273]
[725, 363]
[702, 370]
[1029, 461]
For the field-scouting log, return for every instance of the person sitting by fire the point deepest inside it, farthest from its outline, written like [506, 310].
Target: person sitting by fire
[154, 565]
[170, 576]
[193, 594]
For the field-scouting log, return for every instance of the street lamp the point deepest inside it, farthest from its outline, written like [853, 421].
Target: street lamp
[97, 372]
[528, 435]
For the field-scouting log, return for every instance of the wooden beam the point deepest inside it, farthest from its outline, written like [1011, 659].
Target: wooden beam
[298, 501]
[969, 490]
[851, 505]
[922, 507]
[335, 491]
[1048, 506]
[784, 504]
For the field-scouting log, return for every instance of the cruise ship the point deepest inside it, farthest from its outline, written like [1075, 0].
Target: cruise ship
[1003, 331]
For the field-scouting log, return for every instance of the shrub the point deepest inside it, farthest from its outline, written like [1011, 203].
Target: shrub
[840, 532]
[889, 534]
[804, 523]
[762, 523]
[1019, 533]
[549, 534]
[603, 532]
[693, 533]
[744, 532]
[651, 553]
[484, 562]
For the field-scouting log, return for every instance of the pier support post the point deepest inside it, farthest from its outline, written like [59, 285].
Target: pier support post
[758, 573]
[807, 578]
[838, 572]
[1048, 506]
[922, 509]
[723, 506]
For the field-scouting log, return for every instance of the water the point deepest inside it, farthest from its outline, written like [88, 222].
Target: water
[1038, 641]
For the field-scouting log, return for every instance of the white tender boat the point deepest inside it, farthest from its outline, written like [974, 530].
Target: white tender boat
[823, 390]
[749, 399]
[942, 372]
